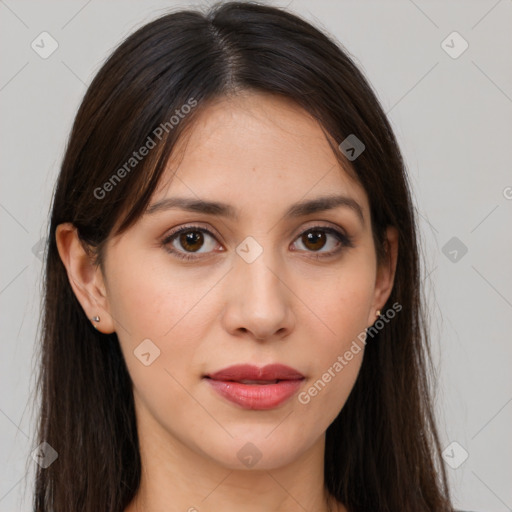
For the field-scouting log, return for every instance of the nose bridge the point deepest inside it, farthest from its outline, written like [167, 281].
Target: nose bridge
[259, 301]
[257, 275]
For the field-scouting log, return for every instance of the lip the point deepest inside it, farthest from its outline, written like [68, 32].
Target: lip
[227, 383]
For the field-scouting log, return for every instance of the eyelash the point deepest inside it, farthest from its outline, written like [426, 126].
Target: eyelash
[345, 241]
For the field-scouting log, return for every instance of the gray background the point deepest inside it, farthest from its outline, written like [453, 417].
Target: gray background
[453, 119]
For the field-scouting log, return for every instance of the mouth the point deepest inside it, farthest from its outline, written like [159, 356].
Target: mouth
[256, 388]
[261, 382]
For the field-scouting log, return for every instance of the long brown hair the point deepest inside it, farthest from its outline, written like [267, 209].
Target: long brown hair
[382, 451]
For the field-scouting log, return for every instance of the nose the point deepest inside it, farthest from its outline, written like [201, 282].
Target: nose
[258, 301]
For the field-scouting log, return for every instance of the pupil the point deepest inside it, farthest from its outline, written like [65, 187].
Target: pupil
[313, 237]
[190, 238]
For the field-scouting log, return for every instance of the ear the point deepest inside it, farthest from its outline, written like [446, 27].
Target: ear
[85, 278]
[385, 277]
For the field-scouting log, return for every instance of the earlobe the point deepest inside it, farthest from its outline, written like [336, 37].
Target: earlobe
[386, 270]
[85, 277]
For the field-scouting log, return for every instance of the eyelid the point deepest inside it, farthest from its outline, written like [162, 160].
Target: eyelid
[320, 225]
[209, 228]
[191, 227]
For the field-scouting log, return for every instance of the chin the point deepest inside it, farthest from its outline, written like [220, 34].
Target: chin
[257, 452]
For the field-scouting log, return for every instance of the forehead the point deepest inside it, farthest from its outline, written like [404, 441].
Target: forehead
[256, 149]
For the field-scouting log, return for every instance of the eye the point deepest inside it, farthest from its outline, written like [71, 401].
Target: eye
[320, 237]
[188, 240]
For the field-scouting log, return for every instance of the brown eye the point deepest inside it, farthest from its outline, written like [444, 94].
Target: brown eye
[314, 240]
[191, 240]
[322, 241]
[319, 241]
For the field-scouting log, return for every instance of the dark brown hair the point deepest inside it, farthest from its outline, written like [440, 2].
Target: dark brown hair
[382, 451]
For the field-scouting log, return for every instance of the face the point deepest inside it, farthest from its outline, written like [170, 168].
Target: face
[255, 283]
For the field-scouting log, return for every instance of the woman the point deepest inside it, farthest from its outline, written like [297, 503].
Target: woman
[232, 304]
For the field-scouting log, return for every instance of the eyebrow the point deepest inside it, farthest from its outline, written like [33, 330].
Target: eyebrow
[300, 209]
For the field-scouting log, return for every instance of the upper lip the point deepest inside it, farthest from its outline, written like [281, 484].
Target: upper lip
[251, 372]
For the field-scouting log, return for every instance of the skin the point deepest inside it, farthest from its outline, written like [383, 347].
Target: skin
[260, 154]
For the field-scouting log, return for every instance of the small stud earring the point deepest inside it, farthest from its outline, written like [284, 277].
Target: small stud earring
[96, 318]
[377, 312]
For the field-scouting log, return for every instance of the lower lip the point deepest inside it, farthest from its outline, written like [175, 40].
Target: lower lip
[256, 396]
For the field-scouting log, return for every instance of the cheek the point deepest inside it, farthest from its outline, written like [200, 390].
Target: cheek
[149, 304]
[337, 356]
[170, 309]
[154, 300]
[341, 302]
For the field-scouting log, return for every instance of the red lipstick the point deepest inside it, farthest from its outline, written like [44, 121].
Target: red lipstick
[257, 388]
